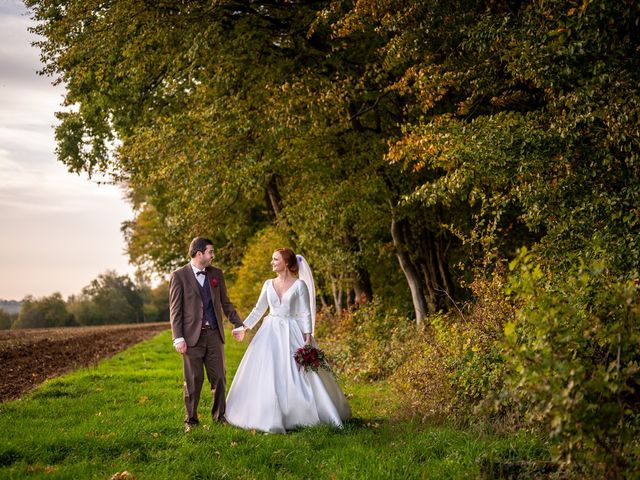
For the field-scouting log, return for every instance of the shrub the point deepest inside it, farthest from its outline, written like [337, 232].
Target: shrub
[368, 343]
[449, 369]
[423, 380]
[574, 365]
[458, 362]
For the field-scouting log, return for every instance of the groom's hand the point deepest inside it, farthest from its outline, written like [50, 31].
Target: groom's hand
[239, 336]
[238, 333]
[181, 347]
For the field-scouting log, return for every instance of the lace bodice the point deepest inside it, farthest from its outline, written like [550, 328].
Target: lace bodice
[294, 304]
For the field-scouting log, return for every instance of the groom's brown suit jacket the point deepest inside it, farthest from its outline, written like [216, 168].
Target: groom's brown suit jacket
[185, 303]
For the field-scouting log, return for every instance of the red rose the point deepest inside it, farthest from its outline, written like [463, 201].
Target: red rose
[310, 358]
[214, 282]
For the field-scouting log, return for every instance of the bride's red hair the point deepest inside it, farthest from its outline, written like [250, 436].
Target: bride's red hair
[290, 259]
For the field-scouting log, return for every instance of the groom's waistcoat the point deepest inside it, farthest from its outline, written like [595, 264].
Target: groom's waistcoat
[208, 313]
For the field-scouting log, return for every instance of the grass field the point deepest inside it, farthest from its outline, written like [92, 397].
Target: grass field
[126, 415]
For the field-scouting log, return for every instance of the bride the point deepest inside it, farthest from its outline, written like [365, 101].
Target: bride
[269, 392]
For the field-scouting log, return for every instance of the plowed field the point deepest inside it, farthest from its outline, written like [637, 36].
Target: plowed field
[30, 356]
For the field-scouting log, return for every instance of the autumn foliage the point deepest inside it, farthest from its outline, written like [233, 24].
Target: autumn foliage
[411, 150]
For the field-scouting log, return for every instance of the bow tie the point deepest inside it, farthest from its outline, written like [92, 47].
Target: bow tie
[201, 272]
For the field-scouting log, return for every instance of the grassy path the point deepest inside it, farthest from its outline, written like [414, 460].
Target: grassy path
[126, 413]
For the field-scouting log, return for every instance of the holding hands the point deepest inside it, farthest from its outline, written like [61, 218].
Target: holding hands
[238, 333]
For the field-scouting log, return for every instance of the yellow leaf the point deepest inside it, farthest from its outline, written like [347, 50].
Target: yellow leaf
[510, 329]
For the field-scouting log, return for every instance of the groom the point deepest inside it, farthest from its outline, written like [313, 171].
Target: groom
[197, 299]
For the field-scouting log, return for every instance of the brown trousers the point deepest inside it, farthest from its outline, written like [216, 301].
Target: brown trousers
[208, 352]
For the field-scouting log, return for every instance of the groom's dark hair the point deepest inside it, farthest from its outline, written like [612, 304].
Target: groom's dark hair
[199, 244]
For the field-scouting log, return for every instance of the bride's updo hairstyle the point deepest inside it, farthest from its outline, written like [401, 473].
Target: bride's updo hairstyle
[290, 259]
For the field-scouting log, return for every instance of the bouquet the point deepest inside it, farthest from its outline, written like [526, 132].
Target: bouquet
[310, 358]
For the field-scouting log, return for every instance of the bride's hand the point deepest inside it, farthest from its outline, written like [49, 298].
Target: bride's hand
[238, 333]
[307, 338]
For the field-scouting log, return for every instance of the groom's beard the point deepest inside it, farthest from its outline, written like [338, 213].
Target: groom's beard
[205, 264]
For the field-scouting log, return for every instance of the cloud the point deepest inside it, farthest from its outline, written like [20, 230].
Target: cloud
[25, 142]
[30, 178]
[20, 59]
[59, 230]
[12, 7]
[35, 184]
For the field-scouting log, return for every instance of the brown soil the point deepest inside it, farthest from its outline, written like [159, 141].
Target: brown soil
[29, 356]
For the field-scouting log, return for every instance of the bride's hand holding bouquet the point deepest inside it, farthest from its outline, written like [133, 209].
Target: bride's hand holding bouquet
[311, 358]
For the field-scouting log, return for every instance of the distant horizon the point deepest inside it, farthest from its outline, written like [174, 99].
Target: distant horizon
[153, 282]
[53, 292]
[12, 307]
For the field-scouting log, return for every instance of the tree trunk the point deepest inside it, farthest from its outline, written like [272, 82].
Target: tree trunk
[275, 205]
[430, 270]
[336, 290]
[410, 272]
[435, 270]
[362, 287]
[443, 267]
[275, 200]
[430, 295]
[323, 302]
[363, 292]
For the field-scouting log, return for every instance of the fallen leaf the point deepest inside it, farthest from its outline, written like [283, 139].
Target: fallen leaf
[122, 476]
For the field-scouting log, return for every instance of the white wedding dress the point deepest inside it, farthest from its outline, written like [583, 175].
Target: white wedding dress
[269, 392]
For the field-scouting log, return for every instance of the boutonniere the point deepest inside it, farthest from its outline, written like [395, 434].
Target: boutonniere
[213, 281]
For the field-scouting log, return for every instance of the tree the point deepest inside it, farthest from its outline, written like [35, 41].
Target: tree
[246, 118]
[449, 134]
[6, 319]
[156, 302]
[525, 120]
[108, 299]
[44, 312]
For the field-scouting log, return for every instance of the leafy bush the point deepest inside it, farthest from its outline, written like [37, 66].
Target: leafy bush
[423, 379]
[574, 365]
[458, 362]
[368, 343]
[449, 369]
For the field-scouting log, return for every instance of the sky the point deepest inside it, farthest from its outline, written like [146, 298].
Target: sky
[58, 230]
